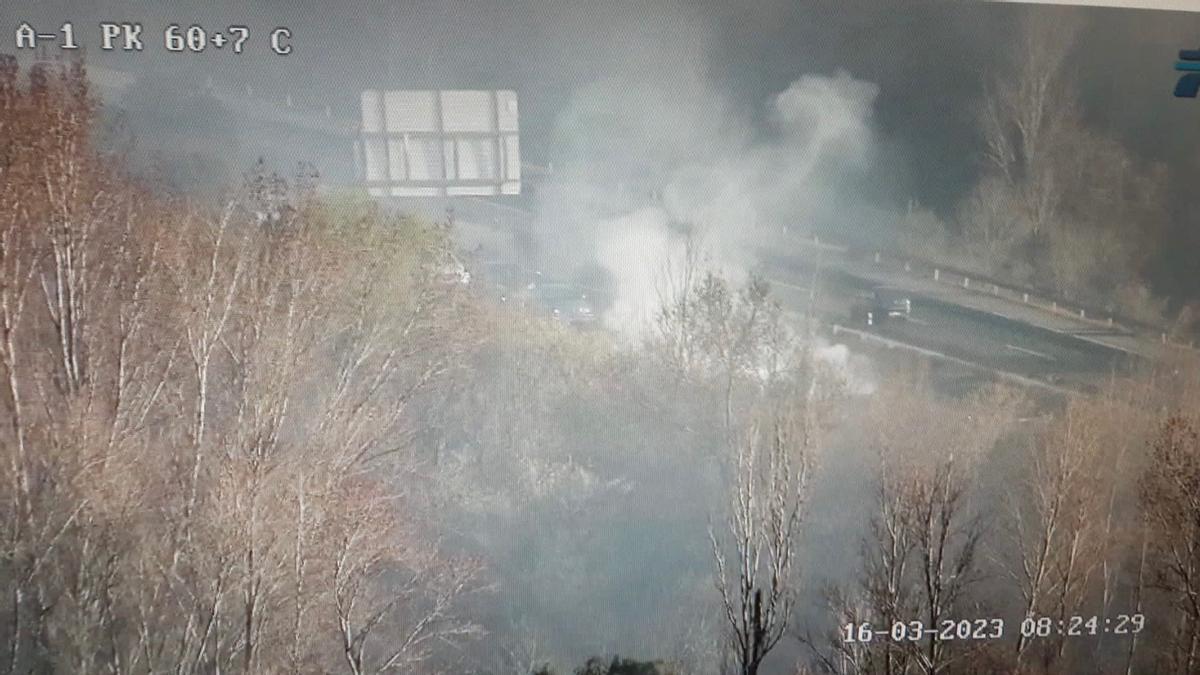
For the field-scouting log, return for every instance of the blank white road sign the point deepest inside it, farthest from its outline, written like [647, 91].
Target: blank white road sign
[440, 143]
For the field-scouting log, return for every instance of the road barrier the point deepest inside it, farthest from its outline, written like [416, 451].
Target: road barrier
[1044, 302]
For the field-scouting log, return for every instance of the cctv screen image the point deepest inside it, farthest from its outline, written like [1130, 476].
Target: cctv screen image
[593, 337]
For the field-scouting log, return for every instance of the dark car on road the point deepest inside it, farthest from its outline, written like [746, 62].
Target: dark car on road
[566, 303]
[884, 303]
[506, 280]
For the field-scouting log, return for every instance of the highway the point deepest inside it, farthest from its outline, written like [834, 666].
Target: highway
[1011, 341]
[943, 330]
[984, 333]
[970, 337]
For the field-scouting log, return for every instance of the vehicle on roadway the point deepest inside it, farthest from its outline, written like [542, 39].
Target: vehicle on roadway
[566, 303]
[507, 280]
[886, 302]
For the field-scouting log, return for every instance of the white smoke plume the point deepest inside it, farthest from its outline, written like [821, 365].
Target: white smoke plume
[657, 162]
[853, 370]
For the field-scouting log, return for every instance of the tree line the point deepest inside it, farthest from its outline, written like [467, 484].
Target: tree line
[1058, 203]
[200, 401]
[265, 434]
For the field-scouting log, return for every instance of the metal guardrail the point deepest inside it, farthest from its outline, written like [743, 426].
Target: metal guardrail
[1104, 322]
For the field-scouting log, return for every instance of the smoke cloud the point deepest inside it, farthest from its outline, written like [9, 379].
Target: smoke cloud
[658, 163]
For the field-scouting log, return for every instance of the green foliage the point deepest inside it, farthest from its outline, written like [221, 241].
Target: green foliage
[372, 235]
[377, 259]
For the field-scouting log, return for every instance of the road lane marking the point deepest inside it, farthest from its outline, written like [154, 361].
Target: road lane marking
[950, 295]
[1031, 352]
[1014, 377]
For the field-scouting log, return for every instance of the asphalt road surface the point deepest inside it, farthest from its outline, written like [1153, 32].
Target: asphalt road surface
[969, 341]
[960, 334]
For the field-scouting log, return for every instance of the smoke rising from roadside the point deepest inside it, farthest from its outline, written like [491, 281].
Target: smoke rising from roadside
[657, 165]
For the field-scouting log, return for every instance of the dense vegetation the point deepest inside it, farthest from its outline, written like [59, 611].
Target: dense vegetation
[267, 435]
[1060, 204]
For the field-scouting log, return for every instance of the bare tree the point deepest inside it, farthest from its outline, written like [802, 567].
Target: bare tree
[886, 591]
[993, 226]
[1170, 497]
[395, 586]
[758, 621]
[756, 557]
[1055, 523]
[194, 402]
[921, 553]
[1025, 117]
[887, 554]
[733, 339]
[1057, 198]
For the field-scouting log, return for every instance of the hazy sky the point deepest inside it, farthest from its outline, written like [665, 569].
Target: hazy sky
[929, 61]
[928, 58]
